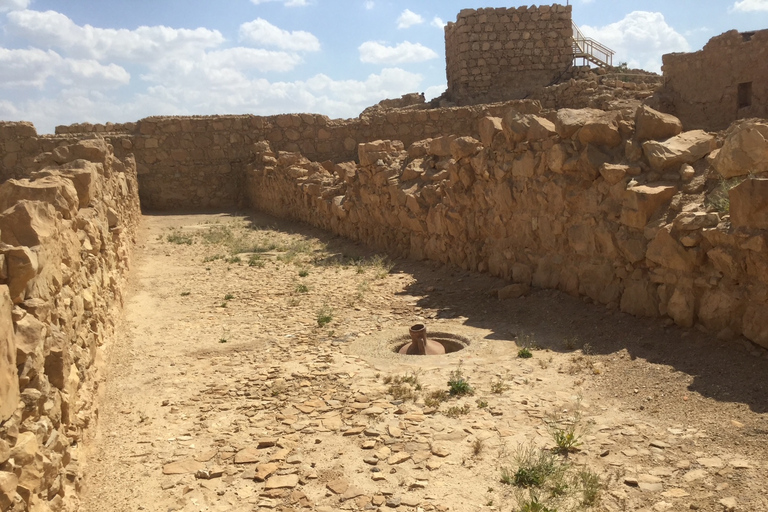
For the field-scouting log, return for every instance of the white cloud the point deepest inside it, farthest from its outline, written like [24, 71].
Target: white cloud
[13, 5]
[438, 22]
[145, 44]
[640, 39]
[434, 91]
[409, 18]
[751, 5]
[262, 32]
[370, 4]
[238, 95]
[35, 68]
[288, 3]
[377, 53]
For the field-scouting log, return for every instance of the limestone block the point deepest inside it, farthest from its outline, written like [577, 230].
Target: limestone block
[641, 202]
[441, 146]
[640, 298]
[58, 191]
[541, 129]
[370, 152]
[590, 162]
[668, 252]
[749, 204]
[27, 223]
[613, 173]
[569, 121]
[692, 221]
[29, 339]
[685, 148]
[717, 309]
[9, 380]
[94, 150]
[23, 267]
[682, 307]
[600, 130]
[489, 127]
[754, 325]
[745, 150]
[516, 126]
[651, 124]
[463, 147]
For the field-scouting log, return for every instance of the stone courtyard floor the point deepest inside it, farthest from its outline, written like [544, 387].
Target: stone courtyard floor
[253, 372]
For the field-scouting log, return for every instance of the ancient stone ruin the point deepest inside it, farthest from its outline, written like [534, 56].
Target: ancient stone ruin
[617, 204]
[717, 85]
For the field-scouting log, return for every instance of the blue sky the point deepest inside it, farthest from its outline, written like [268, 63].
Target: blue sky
[68, 61]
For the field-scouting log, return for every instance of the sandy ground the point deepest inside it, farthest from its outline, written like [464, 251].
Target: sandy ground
[224, 393]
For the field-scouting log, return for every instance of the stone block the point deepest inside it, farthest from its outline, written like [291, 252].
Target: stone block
[745, 150]
[685, 148]
[651, 124]
[9, 381]
[641, 202]
[749, 204]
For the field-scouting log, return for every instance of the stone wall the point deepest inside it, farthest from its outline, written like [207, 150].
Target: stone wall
[65, 238]
[614, 206]
[192, 163]
[719, 84]
[501, 54]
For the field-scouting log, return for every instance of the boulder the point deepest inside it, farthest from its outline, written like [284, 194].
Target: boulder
[613, 173]
[749, 204]
[600, 130]
[651, 124]
[27, 223]
[641, 202]
[9, 378]
[55, 190]
[666, 251]
[541, 128]
[640, 298]
[489, 127]
[745, 150]
[569, 121]
[682, 307]
[23, 267]
[463, 147]
[516, 126]
[441, 146]
[685, 148]
[754, 325]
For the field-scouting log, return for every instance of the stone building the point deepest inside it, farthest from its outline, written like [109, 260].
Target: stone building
[725, 81]
[497, 54]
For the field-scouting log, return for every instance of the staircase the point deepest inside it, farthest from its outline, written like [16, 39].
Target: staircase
[590, 50]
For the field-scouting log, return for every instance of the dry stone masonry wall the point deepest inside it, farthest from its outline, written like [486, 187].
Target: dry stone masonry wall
[65, 236]
[719, 84]
[501, 54]
[621, 207]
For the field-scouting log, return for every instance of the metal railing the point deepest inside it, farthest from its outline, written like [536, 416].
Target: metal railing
[590, 50]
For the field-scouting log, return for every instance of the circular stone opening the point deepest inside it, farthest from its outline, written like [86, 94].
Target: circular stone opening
[451, 342]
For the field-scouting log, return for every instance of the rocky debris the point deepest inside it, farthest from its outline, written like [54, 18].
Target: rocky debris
[749, 204]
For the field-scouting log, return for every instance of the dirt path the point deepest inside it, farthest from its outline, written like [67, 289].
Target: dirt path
[225, 393]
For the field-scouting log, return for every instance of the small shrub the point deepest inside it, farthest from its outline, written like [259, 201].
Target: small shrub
[498, 387]
[482, 404]
[477, 447]
[591, 488]
[222, 340]
[534, 468]
[303, 272]
[179, 238]
[456, 411]
[324, 316]
[254, 260]
[229, 296]
[458, 385]
[719, 198]
[524, 353]
[233, 259]
[223, 305]
[302, 288]
[402, 392]
[185, 294]
[435, 398]
[215, 257]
